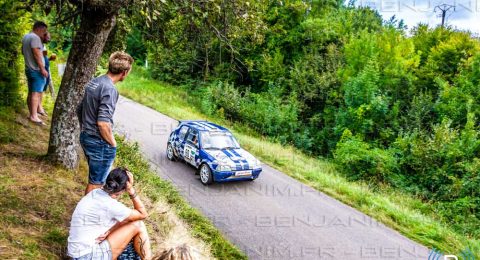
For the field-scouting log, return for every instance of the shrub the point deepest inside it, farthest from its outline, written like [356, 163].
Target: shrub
[172, 65]
[438, 162]
[226, 98]
[444, 168]
[359, 160]
[266, 112]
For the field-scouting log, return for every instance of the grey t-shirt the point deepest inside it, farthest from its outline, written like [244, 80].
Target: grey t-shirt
[30, 41]
[98, 104]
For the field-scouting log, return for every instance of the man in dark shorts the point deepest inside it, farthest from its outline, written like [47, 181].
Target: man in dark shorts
[34, 68]
[95, 114]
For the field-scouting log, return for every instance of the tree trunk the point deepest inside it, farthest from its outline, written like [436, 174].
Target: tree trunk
[87, 48]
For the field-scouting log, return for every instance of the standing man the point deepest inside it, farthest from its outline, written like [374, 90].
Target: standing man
[34, 68]
[45, 39]
[95, 114]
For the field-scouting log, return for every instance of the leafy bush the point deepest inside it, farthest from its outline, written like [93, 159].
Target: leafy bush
[359, 160]
[171, 65]
[436, 161]
[227, 100]
[461, 97]
[270, 115]
[266, 112]
[444, 166]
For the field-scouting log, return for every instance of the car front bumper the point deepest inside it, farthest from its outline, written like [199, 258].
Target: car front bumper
[225, 176]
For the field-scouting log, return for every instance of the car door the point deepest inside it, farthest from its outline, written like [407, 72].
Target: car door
[182, 136]
[190, 149]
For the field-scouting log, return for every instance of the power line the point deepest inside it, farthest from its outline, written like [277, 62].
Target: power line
[444, 8]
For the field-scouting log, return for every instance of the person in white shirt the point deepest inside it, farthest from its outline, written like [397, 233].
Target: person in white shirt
[101, 226]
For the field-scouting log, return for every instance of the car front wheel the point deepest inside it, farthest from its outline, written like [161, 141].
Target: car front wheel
[206, 176]
[170, 153]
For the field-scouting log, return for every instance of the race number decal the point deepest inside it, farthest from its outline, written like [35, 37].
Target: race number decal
[189, 154]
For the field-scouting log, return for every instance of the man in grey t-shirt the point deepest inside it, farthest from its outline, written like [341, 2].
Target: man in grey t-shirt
[35, 71]
[95, 114]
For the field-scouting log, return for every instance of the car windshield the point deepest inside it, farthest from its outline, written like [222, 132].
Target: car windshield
[218, 140]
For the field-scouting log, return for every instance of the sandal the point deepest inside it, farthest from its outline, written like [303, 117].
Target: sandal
[43, 113]
[40, 123]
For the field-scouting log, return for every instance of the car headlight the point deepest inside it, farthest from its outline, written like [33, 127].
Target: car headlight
[223, 168]
[257, 164]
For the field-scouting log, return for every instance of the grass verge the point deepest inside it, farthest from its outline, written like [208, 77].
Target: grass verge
[410, 216]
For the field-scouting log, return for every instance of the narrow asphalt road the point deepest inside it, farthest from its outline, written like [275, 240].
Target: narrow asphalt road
[273, 217]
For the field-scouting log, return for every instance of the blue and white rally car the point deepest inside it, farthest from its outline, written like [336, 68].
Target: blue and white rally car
[213, 151]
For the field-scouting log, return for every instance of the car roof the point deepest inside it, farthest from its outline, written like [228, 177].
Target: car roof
[202, 125]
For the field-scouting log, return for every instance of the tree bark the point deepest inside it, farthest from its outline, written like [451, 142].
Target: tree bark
[87, 48]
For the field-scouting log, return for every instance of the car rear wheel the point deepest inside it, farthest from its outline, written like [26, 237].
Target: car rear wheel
[206, 176]
[170, 153]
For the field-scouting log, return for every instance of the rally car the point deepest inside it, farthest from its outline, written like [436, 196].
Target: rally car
[213, 151]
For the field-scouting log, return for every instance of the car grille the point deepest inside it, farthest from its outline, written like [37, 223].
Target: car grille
[242, 167]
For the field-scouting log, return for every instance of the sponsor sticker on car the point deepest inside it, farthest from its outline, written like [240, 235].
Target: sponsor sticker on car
[243, 173]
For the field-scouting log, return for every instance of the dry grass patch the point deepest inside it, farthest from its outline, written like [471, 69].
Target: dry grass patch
[36, 197]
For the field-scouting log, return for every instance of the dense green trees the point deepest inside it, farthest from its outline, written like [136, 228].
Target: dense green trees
[338, 81]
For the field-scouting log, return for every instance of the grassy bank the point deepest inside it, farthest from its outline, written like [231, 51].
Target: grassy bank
[37, 198]
[410, 216]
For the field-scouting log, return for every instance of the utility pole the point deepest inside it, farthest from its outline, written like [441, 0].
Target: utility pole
[444, 8]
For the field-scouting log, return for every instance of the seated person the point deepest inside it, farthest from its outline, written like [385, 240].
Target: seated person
[194, 140]
[101, 226]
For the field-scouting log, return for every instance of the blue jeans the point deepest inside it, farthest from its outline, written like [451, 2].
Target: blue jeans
[100, 156]
[36, 81]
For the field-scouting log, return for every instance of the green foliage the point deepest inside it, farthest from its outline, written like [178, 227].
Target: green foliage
[448, 57]
[171, 66]
[443, 166]
[12, 27]
[443, 152]
[461, 97]
[359, 160]
[7, 129]
[272, 69]
[267, 113]
[365, 107]
[136, 46]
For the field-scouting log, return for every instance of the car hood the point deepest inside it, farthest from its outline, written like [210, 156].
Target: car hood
[236, 158]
